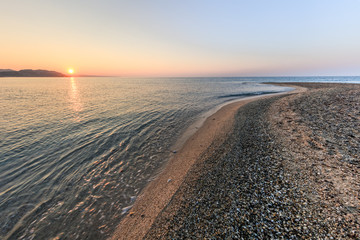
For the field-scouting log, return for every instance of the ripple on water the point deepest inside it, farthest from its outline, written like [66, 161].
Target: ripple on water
[75, 153]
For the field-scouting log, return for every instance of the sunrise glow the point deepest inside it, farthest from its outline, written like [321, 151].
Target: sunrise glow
[176, 38]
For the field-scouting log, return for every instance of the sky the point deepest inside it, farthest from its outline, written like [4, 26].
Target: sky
[160, 38]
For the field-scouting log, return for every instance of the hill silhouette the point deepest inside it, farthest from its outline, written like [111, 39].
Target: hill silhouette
[30, 73]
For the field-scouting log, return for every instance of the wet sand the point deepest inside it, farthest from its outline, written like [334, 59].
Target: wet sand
[196, 141]
[285, 166]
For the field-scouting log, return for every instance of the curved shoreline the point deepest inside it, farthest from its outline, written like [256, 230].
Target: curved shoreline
[288, 169]
[158, 193]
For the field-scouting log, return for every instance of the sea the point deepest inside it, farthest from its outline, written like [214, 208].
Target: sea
[76, 152]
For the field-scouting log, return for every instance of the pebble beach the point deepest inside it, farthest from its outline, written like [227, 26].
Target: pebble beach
[288, 169]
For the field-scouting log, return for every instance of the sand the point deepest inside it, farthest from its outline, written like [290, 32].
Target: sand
[283, 166]
[159, 192]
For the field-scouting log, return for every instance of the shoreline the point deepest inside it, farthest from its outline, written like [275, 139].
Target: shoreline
[289, 169]
[207, 131]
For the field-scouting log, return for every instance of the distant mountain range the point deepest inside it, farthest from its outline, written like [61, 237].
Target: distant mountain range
[30, 73]
[6, 70]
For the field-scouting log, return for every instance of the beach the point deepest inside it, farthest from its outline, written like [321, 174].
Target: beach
[98, 148]
[281, 166]
[180, 120]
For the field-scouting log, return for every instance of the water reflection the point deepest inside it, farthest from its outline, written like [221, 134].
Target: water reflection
[73, 178]
[75, 100]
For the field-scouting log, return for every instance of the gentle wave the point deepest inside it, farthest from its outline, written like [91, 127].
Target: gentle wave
[247, 94]
[75, 153]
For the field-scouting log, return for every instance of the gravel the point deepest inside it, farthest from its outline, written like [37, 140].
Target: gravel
[267, 180]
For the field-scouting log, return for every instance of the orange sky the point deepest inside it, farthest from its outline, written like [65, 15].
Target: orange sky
[185, 38]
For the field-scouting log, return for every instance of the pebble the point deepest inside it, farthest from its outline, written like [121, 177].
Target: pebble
[245, 192]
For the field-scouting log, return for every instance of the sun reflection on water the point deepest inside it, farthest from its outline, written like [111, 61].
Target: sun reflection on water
[75, 100]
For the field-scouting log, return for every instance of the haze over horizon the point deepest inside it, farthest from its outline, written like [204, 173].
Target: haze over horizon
[187, 38]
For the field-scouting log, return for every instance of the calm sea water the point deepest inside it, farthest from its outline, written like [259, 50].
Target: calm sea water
[76, 152]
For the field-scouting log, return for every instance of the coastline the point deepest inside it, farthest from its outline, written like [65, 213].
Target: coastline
[289, 169]
[284, 166]
[192, 146]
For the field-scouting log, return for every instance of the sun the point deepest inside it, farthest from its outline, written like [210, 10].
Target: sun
[70, 71]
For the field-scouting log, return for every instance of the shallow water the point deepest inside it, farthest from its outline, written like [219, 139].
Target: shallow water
[75, 152]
